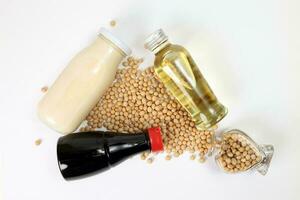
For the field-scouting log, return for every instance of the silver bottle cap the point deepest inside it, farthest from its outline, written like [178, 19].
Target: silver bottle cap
[155, 39]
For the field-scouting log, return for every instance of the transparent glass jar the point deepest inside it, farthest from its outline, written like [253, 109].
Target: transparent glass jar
[237, 152]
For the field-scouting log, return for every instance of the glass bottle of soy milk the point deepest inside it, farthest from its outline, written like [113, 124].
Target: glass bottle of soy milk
[181, 76]
[79, 87]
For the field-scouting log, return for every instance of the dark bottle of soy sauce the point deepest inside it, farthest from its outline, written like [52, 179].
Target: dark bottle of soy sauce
[86, 153]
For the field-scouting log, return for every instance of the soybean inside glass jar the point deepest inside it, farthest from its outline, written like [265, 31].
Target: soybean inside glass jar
[237, 152]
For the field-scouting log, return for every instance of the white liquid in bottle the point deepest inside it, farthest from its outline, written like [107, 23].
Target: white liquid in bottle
[79, 87]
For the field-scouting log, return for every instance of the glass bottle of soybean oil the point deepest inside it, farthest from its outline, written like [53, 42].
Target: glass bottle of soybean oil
[179, 73]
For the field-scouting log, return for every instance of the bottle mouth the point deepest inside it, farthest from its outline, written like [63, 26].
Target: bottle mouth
[155, 138]
[119, 43]
[155, 39]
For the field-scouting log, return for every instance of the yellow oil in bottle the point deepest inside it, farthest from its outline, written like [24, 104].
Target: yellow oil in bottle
[178, 72]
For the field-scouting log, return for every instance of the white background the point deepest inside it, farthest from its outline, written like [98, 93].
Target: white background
[247, 50]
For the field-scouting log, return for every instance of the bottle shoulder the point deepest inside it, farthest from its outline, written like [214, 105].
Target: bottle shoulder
[173, 48]
[171, 52]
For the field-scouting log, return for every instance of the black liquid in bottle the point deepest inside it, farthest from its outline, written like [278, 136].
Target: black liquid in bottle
[84, 154]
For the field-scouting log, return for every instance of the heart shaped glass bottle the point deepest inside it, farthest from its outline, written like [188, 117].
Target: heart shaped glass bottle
[237, 152]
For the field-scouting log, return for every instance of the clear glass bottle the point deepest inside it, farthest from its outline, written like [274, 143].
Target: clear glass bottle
[179, 73]
[80, 85]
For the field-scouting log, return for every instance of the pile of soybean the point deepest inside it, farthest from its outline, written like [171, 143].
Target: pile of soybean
[136, 101]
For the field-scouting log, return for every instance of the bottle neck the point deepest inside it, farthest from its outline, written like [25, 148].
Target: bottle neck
[122, 146]
[161, 47]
